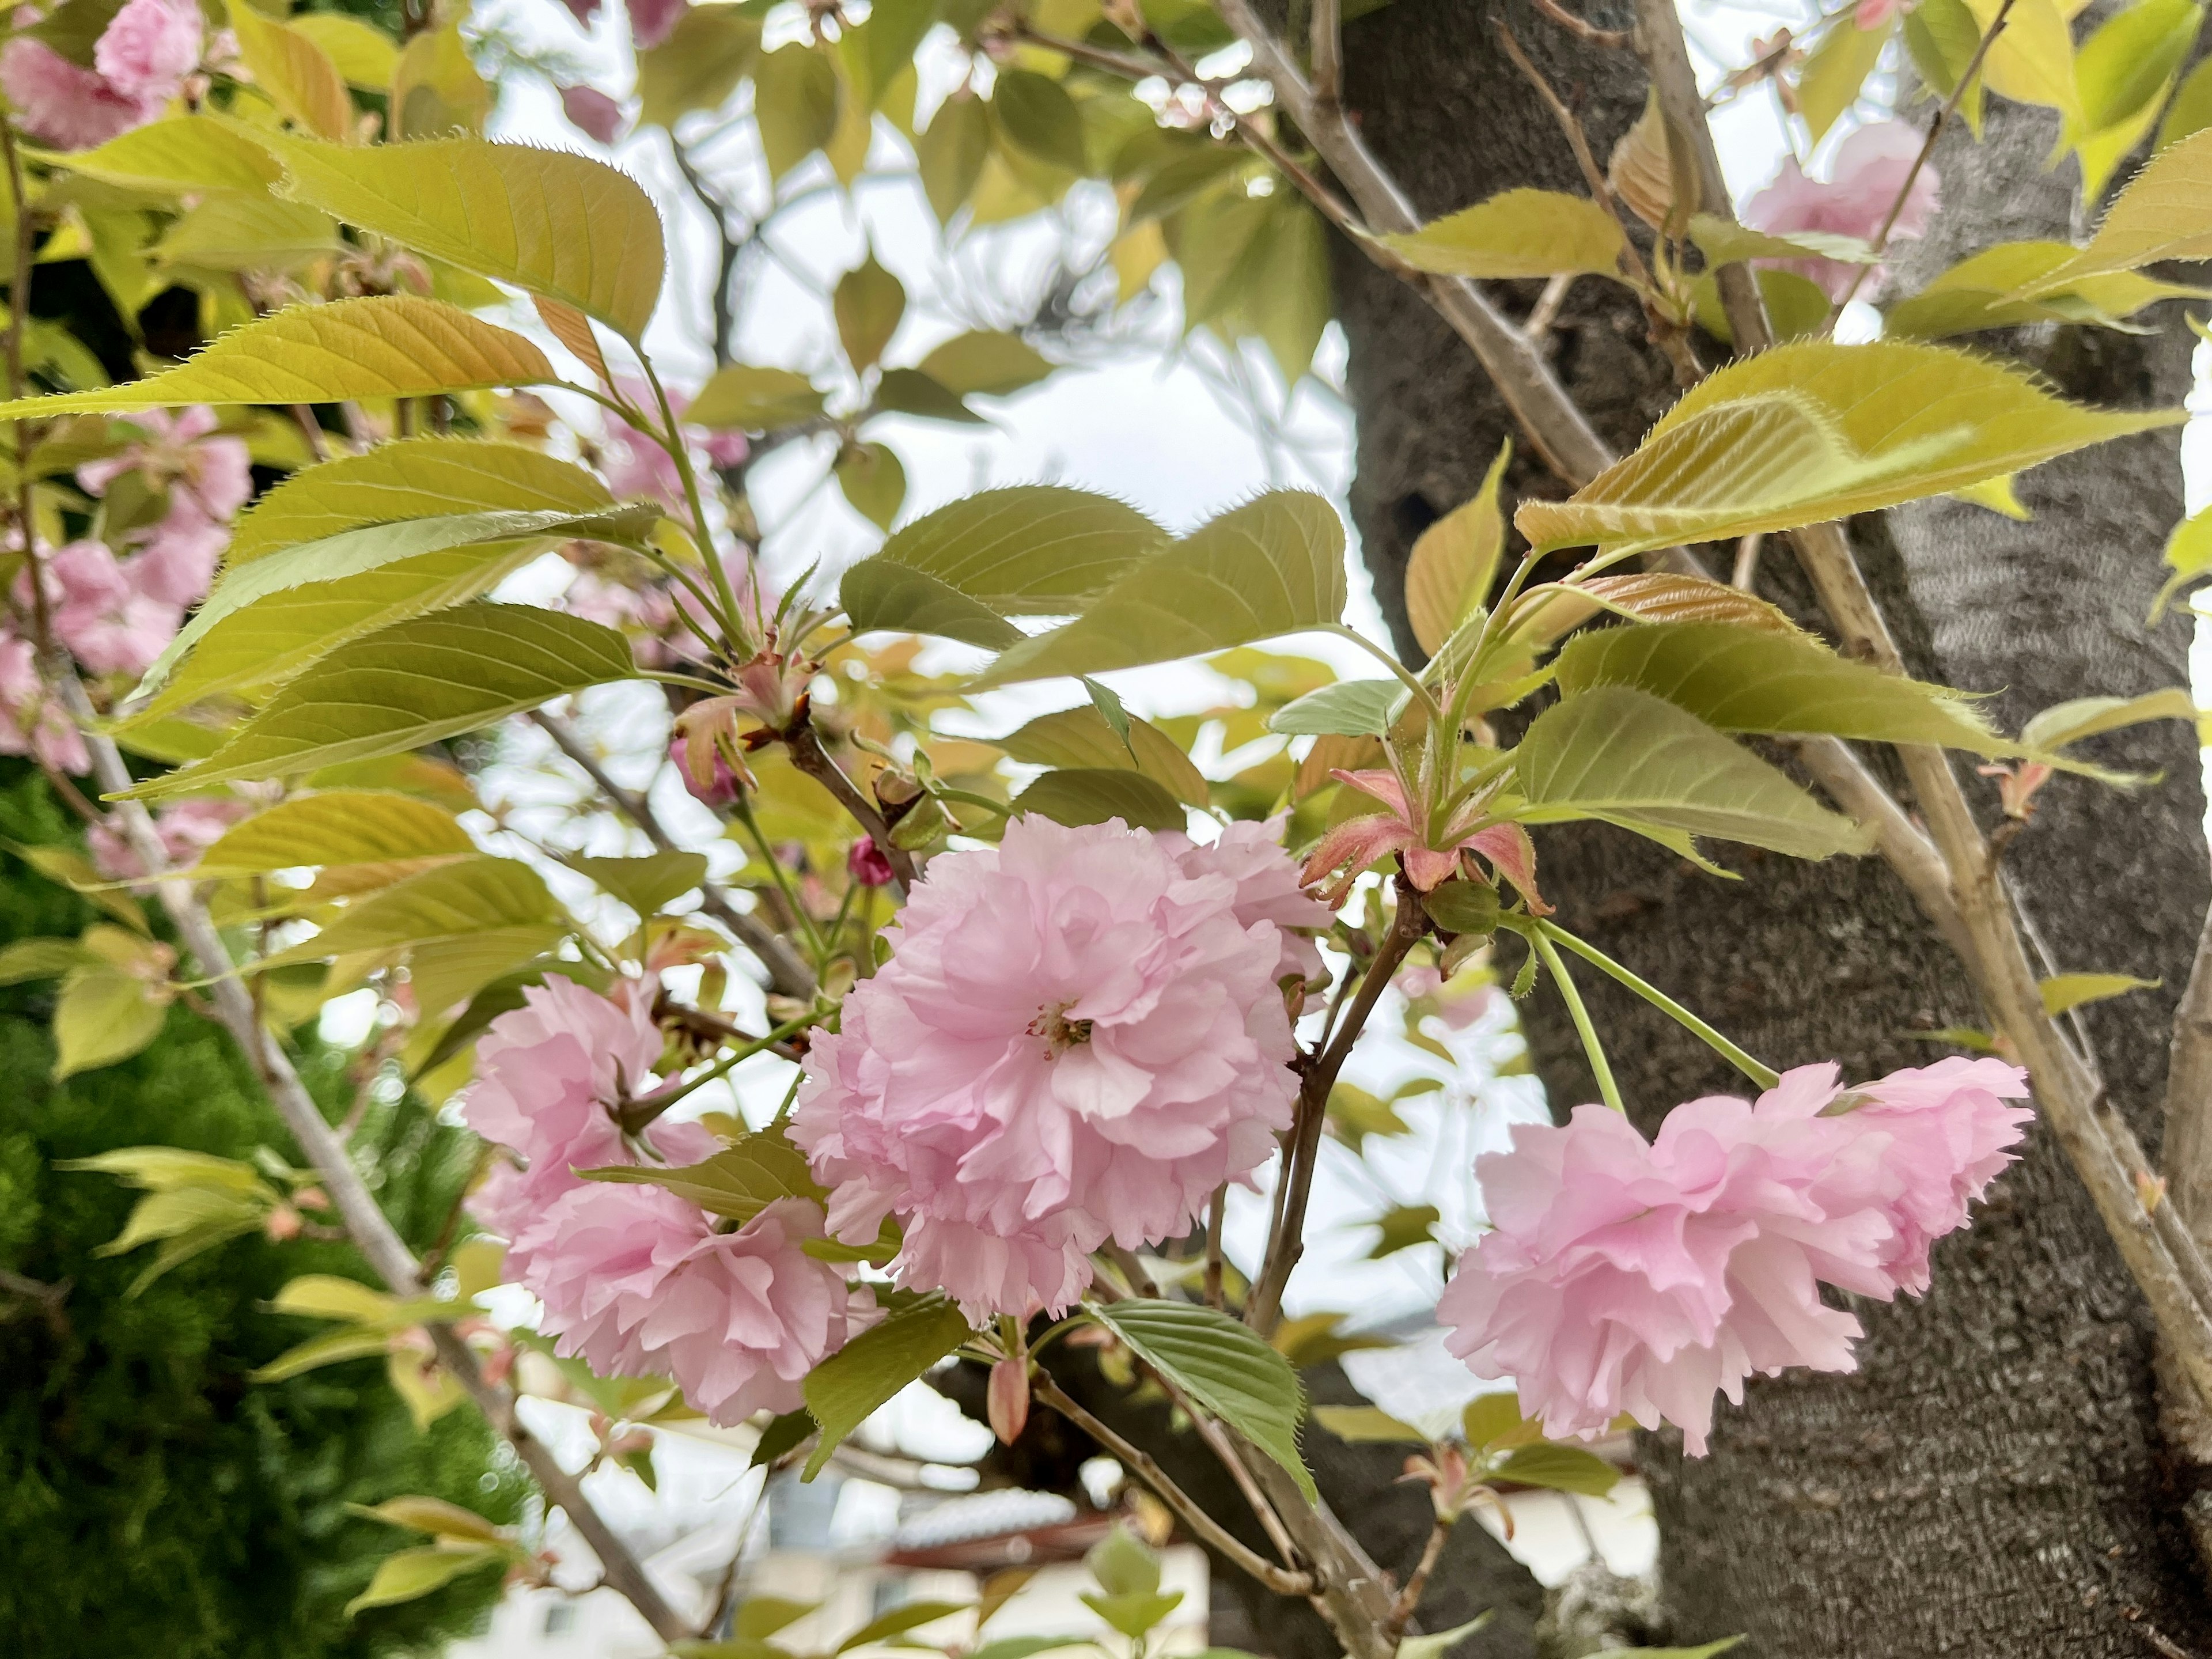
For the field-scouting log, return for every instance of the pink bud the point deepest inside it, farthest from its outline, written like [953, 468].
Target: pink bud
[280, 1223]
[1009, 1401]
[592, 113]
[721, 787]
[866, 864]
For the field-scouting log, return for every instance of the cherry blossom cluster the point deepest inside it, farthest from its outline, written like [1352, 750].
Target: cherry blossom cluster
[1641, 1276]
[636, 1280]
[140, 62]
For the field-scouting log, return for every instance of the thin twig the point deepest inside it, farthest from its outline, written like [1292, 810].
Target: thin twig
[1613, 40]
[804, 744]
[1231, 1458]
[1147, 1469]
[1216, 1215]
[1402, 1610]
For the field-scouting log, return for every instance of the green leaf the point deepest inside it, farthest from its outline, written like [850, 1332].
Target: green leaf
[708, 51]
[2062, 992]
[407, 1574]
[431, 1514]
[908, 1615]
[331, 1348]
[389, 345]
[554, 224]
[2129, 60]
[1083, 737]
[102, 1016]
[986, 363]
[1273, 566]
[868, 303]
[1349, 708]
[1795, 305]
[1095, 795]
[1435, 1647]
[873, 482]
[2188, 554]
[1562, 1468]
[910, 391]
[361, 53]
[1362, 1425]
[752, 399]
[336, 827]
[1134, 1614]
[2087, 717]
[844, 1388]
[1454, 562]
[1036, 114]
[296, 75]
[1489, 1420]
[72, 29]
[2164, 212]
[167, 1169]
[1724, 241]
[248, 232]
[328, 1296]
[40, 959]
[1811, 431]
[1223, 1367]
[648, 884]
[1838, 66]
[411, 478]
[2032, 59]
[785, 1434]
[738, 1182]
[794, 105]
[2189, 109]
[374, 547]
[1519, 233]
[412, 684]
[1978, 293]
[1463, 907]
[1402, 1226]
[1743, 680]
[1035, 549]
[1123, 1564]
[951, 152]
[1355, 1114]
[1630, 758]
[1648, 596]
[1028, 1647]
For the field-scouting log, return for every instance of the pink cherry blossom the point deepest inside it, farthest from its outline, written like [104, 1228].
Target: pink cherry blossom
[1872, 14]
[108, 626]
[866, 863]
[1268, 888]
[1628, 1275]
[1868, 171]
[592, 113]
[149, 46]
[1077, 1038]
[31, 722]
[187, 829]
[177, 564]
[65, 105]
[1430, 860]
[181, 452]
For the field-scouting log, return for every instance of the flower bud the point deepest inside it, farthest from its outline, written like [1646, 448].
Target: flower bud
[1009, 1400]
[868, 865]
[708, 776]
[280, 1223]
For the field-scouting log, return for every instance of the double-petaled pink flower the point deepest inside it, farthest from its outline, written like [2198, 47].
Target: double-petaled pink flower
[1431, 854]
[139, 63]
[1078, 1036]
[1624, 1275]
[1866, 178]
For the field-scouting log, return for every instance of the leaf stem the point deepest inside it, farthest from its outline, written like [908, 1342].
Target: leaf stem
[782, 880]
[737, 644]
[1580, 1015]
[1763, 1075]
[1406, 676]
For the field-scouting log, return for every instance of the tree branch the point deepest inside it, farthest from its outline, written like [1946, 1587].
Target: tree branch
[2187, 1149]
[371, 1231]
[808, 755]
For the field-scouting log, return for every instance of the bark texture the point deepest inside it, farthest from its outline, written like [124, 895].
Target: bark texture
[1991, 1481]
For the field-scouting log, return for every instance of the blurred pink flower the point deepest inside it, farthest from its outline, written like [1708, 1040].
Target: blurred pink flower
[1457, 1008]
[65, 105]
[107, 624]
[1250, 853]
[187, 829]
[1076, 1038]
[149, 46]
[651, 21]
[31, 722]
[178, 561]
[183, 453]
[1870, 169]
[1626, 1275]
[592, 113]
[1872, 14]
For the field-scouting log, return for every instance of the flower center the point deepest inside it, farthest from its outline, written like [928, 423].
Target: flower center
[1058, 1031]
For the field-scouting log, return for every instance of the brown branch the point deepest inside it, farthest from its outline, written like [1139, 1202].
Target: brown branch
[1613, 40]
[1402, 1610]
[2187, 1146]
[787, 971]
[805, 745]
[1325, 53]
[371, 1231]
[1216, 1217]
[1147, 1469]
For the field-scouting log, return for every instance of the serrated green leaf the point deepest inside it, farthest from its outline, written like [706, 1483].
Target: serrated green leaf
[2062, 992]
[1839, 63]
[336, 827]
[389, 345]
[1123, 1564]
[497, 911]
[1741, 680]
[1978, 293]
[412, 684]
[646, 883]
[1349, 708]
[1518, 233]
[226, 232]
[1225, 1367]
[1079, 795]
[331, 1348]
[1273, 566]
[2128, 61]
[1035, 549]
[1135, 1614]
[1627, 757]
[738, 1182]
[1646, 596]
[1562, 1468]
[40, 959]
[784, 1434]
[1454, 562]
[181, 152]
[167, 1169]
[844, 1389]
[1495, 1420]
[556, 224]
[1724, 241]
[328, 1296]
[2164, 212]
[1362, 1425]
[2032, 59]
[1813, 431]
[1081, 738]
[407, 1575]
[2087, 717]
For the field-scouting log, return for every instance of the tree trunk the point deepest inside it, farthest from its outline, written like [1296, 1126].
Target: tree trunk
[1991, 1480]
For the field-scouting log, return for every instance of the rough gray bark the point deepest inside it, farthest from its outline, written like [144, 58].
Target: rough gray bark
[1993, 1480]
